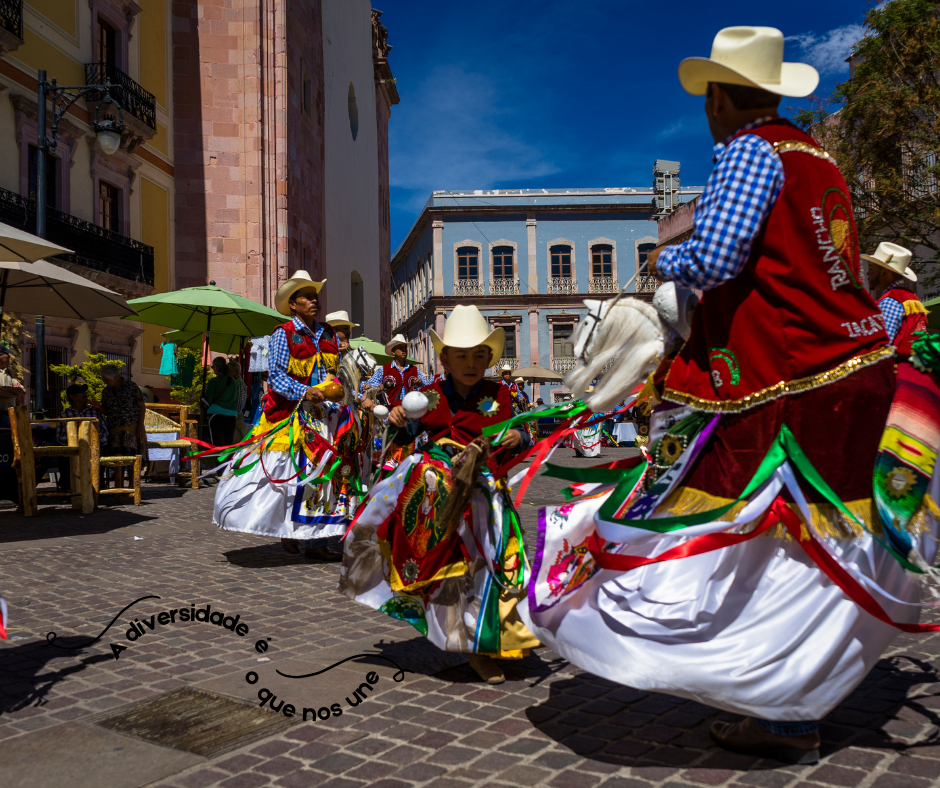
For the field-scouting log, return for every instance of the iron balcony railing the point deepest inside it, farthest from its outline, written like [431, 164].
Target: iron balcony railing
[504, 287]
[563, 364]
[94, 247]
[468, 287]
[510, 362]
[558, 284]
[11, 17]
[646, 284]
[602, 284]
[131, 96]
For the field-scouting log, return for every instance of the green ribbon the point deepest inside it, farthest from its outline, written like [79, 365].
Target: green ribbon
[565, 409]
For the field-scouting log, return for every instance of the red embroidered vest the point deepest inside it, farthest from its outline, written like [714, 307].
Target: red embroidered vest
[306, 356]
[915, 319]
[798, 315]
[397, 383]
[490, 405]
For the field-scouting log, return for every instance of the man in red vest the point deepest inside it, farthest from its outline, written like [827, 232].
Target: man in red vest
[398, 377]
[891, 278]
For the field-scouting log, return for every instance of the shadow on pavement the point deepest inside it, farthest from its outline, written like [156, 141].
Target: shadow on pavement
[605, 722]
[29, 671]
[56, 522]
[264, 556]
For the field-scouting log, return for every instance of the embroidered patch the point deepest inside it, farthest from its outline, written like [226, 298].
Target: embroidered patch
[389, 383]
[835, 238]
[899, 481]
[723, 354]
[433, 399]
[409, 571]
[488, 406]
[671, 447]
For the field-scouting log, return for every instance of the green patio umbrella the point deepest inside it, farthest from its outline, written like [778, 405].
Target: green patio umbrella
[229, 344]
[207, 310]
[376, 350]
[933, 314]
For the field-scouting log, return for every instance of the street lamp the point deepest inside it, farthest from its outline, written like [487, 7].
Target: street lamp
[109, 132]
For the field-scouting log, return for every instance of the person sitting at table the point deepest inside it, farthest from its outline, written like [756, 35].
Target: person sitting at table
[124, 410]
[11, 390]
[79, 406]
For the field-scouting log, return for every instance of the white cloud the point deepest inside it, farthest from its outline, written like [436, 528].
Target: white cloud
[827, 52]
[462, 129]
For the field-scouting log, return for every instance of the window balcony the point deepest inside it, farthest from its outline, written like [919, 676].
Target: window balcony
[94, 247]
[603, 284]
[134, 100]
[11, 25]
[563, 364]
[500, 287]
[646, 284]
[512, 362]
[557, 284]
[468, 287]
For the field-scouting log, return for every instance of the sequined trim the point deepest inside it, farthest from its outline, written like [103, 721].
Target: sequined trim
[795, 146]
[781, 389]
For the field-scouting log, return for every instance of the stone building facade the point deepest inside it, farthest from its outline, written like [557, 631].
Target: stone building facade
[282, 112]
[527, 258]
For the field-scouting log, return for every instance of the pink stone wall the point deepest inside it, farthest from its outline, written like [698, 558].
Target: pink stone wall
[678, 225]
[383, 113]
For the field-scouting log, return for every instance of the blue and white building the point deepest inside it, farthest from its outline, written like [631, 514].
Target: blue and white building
[527, 258]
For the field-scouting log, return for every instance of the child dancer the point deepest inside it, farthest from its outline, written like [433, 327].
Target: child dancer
[438, 543]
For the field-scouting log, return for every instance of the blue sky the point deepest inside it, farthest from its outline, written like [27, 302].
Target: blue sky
[555, 93]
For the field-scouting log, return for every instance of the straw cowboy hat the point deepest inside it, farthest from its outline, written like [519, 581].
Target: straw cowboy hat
[751, 56]
[466, 328]
[893, 257]
[394, 342]
[505, 368]
[340, 318]
[519, 380]
[298, 281]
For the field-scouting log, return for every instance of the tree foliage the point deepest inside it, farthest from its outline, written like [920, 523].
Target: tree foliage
[883, 127]
[10, 328]
[189, 395]
[89, 373]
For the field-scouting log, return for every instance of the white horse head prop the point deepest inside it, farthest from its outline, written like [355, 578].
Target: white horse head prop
[631, 334]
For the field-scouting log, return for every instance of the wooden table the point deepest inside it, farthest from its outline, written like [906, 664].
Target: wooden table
[83, 450]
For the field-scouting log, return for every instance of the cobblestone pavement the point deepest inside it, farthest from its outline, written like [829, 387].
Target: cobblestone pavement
[550, 724]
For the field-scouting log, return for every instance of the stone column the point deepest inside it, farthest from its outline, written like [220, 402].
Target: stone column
[534, 336]
[438, 230]
[530, 224]
[439, 316]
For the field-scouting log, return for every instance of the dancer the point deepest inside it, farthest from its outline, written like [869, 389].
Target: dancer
[438, 543]
[769, 423]
[398, 377]
[892, 279]
[299, 477]
[342, 327]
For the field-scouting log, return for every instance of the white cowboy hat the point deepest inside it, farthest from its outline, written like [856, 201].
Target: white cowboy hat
[394, 342]
[894, 258]
[340, 318]
[505, 368]
[751, 56]
[298, 281]
[465, 328]
[519, 380]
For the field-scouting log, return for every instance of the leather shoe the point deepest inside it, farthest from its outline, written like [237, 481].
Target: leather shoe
[748, 737]
[322, 553]
[487, 669]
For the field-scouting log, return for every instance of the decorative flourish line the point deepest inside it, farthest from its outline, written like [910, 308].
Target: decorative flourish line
[51, 636]
[399, 676]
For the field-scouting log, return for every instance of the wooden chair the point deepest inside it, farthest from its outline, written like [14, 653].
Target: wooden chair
[159, 420]
[82, 452]
[132, 461]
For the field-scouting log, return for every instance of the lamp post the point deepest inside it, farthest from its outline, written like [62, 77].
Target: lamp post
[109, 132]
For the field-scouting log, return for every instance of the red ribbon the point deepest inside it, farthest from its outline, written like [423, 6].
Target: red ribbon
[779, 512]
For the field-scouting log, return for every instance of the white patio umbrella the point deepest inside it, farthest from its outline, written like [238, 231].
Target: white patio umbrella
[18, 246]
[46, 289]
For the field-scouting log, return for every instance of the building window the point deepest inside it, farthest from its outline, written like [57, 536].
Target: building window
[561, 262]
[643, 251]
[509, 349]
[502, 262]
[107, 44]
[562, 346]
[52, 172]
[109, 206]
[468, 263]
[601, 261]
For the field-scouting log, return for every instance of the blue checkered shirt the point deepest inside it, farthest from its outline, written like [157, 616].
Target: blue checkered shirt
[740, 192]
[892, 310]
[279, 358]
[377, 376]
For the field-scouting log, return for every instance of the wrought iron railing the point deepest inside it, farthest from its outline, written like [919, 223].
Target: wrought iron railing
[468, 287]
[11, 16]
[510, 362]
[557, 284]
[131, 96]
[563, 364]
[602, 284]
[504, 287]
[94, 247]
[646, 284]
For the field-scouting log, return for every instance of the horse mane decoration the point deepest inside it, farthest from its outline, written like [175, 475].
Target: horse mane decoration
[632, 334]
[356, 365]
